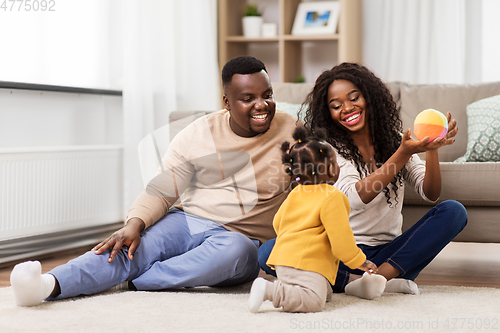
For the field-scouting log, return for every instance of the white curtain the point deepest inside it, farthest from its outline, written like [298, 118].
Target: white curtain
[427, 41]
[491, 40]
[170, 63]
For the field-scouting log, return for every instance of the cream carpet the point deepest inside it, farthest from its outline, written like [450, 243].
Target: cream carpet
[437, 309]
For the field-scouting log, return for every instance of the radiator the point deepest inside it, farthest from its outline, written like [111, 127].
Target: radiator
[61, 197]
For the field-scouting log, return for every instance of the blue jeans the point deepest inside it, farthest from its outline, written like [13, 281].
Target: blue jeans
[409, 253]
[180, 250]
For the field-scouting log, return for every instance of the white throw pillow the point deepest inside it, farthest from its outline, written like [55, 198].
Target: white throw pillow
[290, 108]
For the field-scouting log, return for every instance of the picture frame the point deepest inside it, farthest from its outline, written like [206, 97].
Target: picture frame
[316, 18]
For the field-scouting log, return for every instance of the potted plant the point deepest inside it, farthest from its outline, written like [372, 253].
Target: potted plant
[252, 21]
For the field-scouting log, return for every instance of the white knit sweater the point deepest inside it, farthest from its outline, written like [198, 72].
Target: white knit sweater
[378, 222]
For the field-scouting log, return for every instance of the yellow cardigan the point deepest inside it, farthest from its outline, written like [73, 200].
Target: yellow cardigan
[313, 232]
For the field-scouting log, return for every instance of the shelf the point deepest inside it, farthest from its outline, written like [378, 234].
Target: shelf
[288, 56]
[242, 39]
[298, 38]
[306, 38]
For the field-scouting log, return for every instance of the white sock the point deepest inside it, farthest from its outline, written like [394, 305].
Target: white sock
[257, 294]
[30, 286]
[368, 286]
[402, 286]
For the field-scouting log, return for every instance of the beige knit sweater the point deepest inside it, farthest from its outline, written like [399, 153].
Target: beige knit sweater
[211, 172]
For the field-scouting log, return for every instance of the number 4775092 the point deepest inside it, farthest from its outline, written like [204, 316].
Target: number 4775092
[28, 5]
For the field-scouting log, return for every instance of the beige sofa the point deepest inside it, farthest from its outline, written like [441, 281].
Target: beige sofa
[474, 184]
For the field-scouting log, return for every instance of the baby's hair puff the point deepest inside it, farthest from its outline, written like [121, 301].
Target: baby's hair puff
[308, 157]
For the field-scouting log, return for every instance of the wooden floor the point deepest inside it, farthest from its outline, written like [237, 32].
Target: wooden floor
[447, 269]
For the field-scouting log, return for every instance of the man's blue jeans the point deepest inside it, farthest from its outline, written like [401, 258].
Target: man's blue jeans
[410, 252]
[180, 250]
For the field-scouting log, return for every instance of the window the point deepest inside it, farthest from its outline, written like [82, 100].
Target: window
[68, 45]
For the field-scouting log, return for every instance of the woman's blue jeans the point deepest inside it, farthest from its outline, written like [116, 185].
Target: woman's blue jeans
[409, 253]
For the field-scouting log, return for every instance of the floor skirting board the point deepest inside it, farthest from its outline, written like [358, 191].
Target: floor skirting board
[30, 247]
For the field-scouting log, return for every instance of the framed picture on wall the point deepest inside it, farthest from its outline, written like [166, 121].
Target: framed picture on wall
[316, 18]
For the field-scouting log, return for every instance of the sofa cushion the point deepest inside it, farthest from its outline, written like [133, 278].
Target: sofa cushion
[445, 97]
[294, 93]
[483, 130]
[472, 184]
[290, 108]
